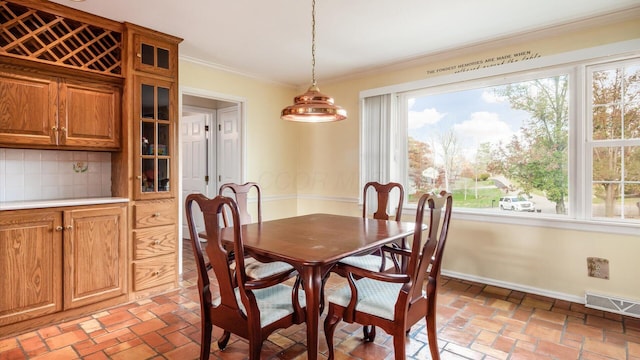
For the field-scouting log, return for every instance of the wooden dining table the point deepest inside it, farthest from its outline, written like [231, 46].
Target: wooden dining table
[313, 244]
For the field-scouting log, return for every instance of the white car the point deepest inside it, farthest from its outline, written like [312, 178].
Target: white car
[517, 203]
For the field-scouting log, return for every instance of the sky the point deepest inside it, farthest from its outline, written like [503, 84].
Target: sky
[476, 116]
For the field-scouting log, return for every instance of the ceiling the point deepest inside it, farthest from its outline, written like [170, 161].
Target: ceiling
[271, 39]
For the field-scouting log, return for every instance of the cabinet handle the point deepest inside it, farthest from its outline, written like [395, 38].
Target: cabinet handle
[139, 55]
[157, 242]
[156, 214]
[156, 273]
[68, 227]
[59, 228]
[139, 177]
[55, 131]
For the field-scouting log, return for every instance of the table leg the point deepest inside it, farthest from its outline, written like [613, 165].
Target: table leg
[312, 279]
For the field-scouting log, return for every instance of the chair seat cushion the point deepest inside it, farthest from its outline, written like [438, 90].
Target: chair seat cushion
[374, 297]
[274, 302]
[368, 262]
[259, 270]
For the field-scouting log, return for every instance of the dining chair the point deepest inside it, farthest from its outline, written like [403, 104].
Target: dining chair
[249, 308]
[376, 261]
[255, 269]
[395, 302]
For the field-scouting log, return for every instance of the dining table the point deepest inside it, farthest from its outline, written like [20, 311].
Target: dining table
[313, 244]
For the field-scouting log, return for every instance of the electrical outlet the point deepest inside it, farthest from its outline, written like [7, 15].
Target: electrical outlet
[598, 267]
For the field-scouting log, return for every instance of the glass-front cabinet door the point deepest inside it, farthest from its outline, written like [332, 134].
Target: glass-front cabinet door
[154, 138]
[155, 56]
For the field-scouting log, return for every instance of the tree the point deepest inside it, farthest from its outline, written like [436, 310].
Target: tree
[538, 158]
[420, 159]
[450, 150]
[616, 116]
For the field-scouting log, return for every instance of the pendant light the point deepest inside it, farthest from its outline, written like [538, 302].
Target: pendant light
[313, 106]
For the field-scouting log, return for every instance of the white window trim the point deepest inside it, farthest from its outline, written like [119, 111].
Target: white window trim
[572, 63]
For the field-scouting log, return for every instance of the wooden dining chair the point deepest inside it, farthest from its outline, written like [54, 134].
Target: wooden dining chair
[395, 302]
[249, 308]
[379, 260]
[240, 192]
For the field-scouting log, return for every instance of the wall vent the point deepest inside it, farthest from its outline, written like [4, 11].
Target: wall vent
[616, 305]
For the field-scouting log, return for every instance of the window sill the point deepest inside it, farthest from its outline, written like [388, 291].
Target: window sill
[540, 220]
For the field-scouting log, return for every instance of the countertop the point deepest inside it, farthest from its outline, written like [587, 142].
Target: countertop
[35, 204]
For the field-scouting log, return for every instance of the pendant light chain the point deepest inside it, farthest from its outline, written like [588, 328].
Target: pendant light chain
[313, 42]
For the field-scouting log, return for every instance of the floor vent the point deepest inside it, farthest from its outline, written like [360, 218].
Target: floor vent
[608, 303]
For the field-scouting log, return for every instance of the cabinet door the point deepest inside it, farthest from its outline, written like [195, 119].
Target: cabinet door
[89, 115]
[155, 56]
[94, 253]
[27, 110]
[30, 264]
[155, 153]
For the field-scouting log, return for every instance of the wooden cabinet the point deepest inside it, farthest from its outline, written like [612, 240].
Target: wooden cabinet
[95, 255]
[154, 134]
[152, 156]
[153, 54]
[30, 264]
[43, 111]
[155, 244]
[57, 260]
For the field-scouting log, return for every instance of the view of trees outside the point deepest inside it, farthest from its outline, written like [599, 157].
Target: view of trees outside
[513, 140]
[616, 141]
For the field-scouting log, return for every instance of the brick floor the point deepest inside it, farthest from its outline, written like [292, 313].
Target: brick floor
[475, 321]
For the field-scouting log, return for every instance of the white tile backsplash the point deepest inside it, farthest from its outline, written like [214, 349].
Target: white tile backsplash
[53, 174]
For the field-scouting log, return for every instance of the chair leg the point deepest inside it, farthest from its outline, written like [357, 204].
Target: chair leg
[205, 339]
[432, 336]
[224, 340]
[399, 346]
[255, 348]
[330, 324]
[369, 332]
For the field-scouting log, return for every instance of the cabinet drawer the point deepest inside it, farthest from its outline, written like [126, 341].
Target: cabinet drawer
[155, 213]
[150, 273]
[154, 241]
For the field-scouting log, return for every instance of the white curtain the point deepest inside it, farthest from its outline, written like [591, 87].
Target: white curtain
[383, 148]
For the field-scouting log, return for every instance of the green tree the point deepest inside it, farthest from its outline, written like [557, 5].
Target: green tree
[538, 159]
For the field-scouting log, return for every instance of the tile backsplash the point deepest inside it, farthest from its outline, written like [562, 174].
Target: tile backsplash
[52, 174]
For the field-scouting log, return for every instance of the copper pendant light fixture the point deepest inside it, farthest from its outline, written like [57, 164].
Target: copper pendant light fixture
[313, 106]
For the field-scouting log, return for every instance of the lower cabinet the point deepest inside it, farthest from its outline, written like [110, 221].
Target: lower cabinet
[30, 264]
[60, 259]
[95, 255]
[155, 246]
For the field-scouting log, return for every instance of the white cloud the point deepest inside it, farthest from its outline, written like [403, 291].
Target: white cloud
[484, 127]
[492, 98]
[425, 117]
[410, 102]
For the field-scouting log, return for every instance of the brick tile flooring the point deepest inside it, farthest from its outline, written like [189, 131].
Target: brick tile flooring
[475, 321]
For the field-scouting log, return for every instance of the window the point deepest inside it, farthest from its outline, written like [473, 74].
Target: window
[614, 140]
[484, 143]
[561, 142]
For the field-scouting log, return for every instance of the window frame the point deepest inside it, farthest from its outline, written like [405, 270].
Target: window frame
[575, 64]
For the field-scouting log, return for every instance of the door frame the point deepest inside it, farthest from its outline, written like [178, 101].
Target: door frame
[209, 95]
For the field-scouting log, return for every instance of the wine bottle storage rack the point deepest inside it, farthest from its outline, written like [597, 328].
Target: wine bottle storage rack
[39, 35]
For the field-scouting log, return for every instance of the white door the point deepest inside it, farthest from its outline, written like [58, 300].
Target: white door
[229, 159]
[194, 162]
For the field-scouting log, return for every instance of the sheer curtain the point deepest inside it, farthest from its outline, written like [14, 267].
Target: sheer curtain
[383, 145]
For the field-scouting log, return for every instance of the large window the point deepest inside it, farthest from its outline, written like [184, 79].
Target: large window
[496, 148]
[559, 143]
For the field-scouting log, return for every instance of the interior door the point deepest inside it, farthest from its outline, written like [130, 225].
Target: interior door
[229, 159]
[195, 161]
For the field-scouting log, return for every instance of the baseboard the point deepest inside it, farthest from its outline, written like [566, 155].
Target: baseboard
[514, 286]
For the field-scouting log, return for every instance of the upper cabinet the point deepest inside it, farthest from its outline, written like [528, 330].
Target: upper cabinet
[155, 56]
[49, 112]
[153, 95]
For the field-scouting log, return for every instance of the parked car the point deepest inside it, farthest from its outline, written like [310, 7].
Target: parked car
[517, 203]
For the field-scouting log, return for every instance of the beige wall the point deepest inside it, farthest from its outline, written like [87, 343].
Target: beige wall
[323, 160]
